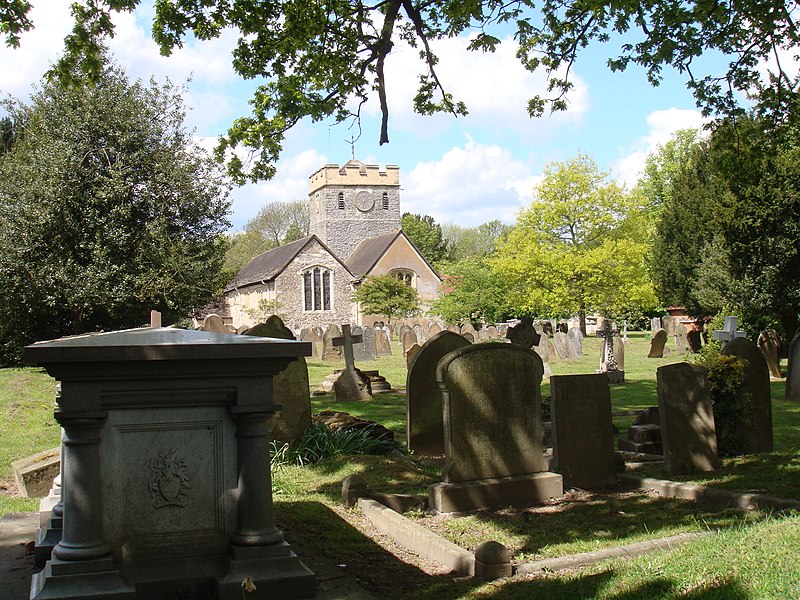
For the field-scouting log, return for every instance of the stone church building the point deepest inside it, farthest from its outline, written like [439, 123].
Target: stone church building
[354, 232]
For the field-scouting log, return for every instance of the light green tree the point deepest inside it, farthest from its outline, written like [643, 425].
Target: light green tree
[579, 246]
[472, 292]
[388, 296]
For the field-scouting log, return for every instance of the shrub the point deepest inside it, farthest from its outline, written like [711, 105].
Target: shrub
[320, 442]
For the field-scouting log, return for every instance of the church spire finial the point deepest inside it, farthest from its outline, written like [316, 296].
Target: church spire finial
[352, 142]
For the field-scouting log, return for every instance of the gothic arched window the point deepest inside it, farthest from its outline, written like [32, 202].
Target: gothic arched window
[406, 277]
[317, 289]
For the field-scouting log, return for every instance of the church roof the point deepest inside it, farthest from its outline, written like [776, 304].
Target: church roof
[271, 263]
[369, 252]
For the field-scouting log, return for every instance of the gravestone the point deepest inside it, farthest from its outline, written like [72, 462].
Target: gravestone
[655, 324]
[492, 333]
[694, 339]
[454, 329]
[561, 343]
[331, 352]
[609, 349]
[155, 318]
[434, 329]
[424, 417]
[657, 344]
[383, 346]
[34, 474]
[411, 353]
[469, 332]
[730, 331]
[575, 343]
[681, 342]
[769, 342]
[420, 333]
[542, 348]
[469, 337]
[408, 339]
[290, 387]
[793, 370]
[359, 350]
[669, 324]
[688, 435]
[167, 490]
[582, 430]
[214, 324]
[368, 343]
[754, 429]
[524, 333]
[307, 335]
[351, 385]
[619, 351]
[492, 430]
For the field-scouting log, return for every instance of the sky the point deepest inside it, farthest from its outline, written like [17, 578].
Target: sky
[465, 170]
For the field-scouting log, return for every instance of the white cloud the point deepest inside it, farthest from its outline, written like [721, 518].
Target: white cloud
[662, 125]
[469, 185]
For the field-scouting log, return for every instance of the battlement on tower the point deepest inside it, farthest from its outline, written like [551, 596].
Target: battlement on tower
[354, 173]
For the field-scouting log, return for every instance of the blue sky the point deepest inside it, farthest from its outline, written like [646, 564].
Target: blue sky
[462, 170]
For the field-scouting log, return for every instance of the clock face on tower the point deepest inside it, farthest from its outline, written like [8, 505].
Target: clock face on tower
[364, 201]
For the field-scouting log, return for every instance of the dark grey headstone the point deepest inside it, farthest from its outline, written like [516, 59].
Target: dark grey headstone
[583, 440]
[424, 417]
[329, 351]
[694, 340]
[754, 430]
[688, 435]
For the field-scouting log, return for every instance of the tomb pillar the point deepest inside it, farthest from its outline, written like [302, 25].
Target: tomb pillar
[255, 521]
[82, 532]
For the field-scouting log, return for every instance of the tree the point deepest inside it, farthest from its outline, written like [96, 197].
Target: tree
[110, 210]
[275, 219]
[471, 292]
[426, 235]
[580, 245]
[473, 242]
[388, 296]
[320, 59]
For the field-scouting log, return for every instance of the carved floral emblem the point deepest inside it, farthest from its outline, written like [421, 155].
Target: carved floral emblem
[169, 481]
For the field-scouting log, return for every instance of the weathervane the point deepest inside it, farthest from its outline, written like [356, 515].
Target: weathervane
[352, 142]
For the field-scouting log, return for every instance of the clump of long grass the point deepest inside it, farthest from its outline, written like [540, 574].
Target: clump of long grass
[320, 442]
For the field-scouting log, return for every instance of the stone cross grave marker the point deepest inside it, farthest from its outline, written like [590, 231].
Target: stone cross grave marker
[729, 331]
[346, 342]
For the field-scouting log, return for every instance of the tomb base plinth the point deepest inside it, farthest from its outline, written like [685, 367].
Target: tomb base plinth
[94, 579]
[274, 571]
[465, 496]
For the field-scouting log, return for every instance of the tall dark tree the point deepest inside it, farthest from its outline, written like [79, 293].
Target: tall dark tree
[318, 59]
[110, 210]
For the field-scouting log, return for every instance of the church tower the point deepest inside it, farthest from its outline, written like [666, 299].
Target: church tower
[354, 202]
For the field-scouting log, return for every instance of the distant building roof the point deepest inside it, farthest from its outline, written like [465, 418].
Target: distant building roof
[270, 264]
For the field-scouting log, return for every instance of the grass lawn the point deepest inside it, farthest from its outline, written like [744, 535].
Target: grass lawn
[755, 556]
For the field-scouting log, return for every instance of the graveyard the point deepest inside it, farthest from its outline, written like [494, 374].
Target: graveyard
[728, 555]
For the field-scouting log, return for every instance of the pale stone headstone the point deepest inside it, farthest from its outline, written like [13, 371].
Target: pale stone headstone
[681, 342]
[411, 353]
[575, 344]
[307, 335]
[468, 329]
[754, 430]
[454, 329]
[793, 370]
[542, 347]
[493, 430]
[492, 333]
[470, 337]
[329, 351]
[669, 323]
[408, 339]
[688, 436]
[370, 350]
[290, 387]
[561, 342]
[657, 344]
[424, 417]
[655, 324]
[769, 342]
[619, 351]
[214, 324]
[34, 474]
[434, 329]
[419, 331]
[383, 347]
[155, 318]
[583, 438]
[359, 349]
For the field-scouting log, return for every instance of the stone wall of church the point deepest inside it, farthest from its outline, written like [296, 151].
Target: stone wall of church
[289, 291]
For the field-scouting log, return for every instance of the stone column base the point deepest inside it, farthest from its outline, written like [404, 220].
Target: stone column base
[518, 490]
[275, 571]
[95, 579]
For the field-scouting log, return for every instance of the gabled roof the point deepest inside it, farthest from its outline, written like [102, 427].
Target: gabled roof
[370, 251]
[270, 264]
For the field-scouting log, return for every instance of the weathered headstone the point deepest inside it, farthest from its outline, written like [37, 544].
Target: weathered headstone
[681, 342]
[610, 347]
[424, 417]
[434, 329]
[561, 342]
[657, 344]
[214, 324]
[583, 439]
[493, 430]
[793, 370]
[468, 330]
[419, 331]
[408, 339]
[492, 333]
[523, 333]
[383, 346]
[155, 318]
[575, 343]
[769, 342]
[307, 335]
[688, 436]
[542, 348]
[655, 324]
[359, 350]
[34, 474]
[290, 387]
[754, 430]
[368, 343]
[669, 324]
[619, 351]
[411, 353]
[329, 350]
[694, 340]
